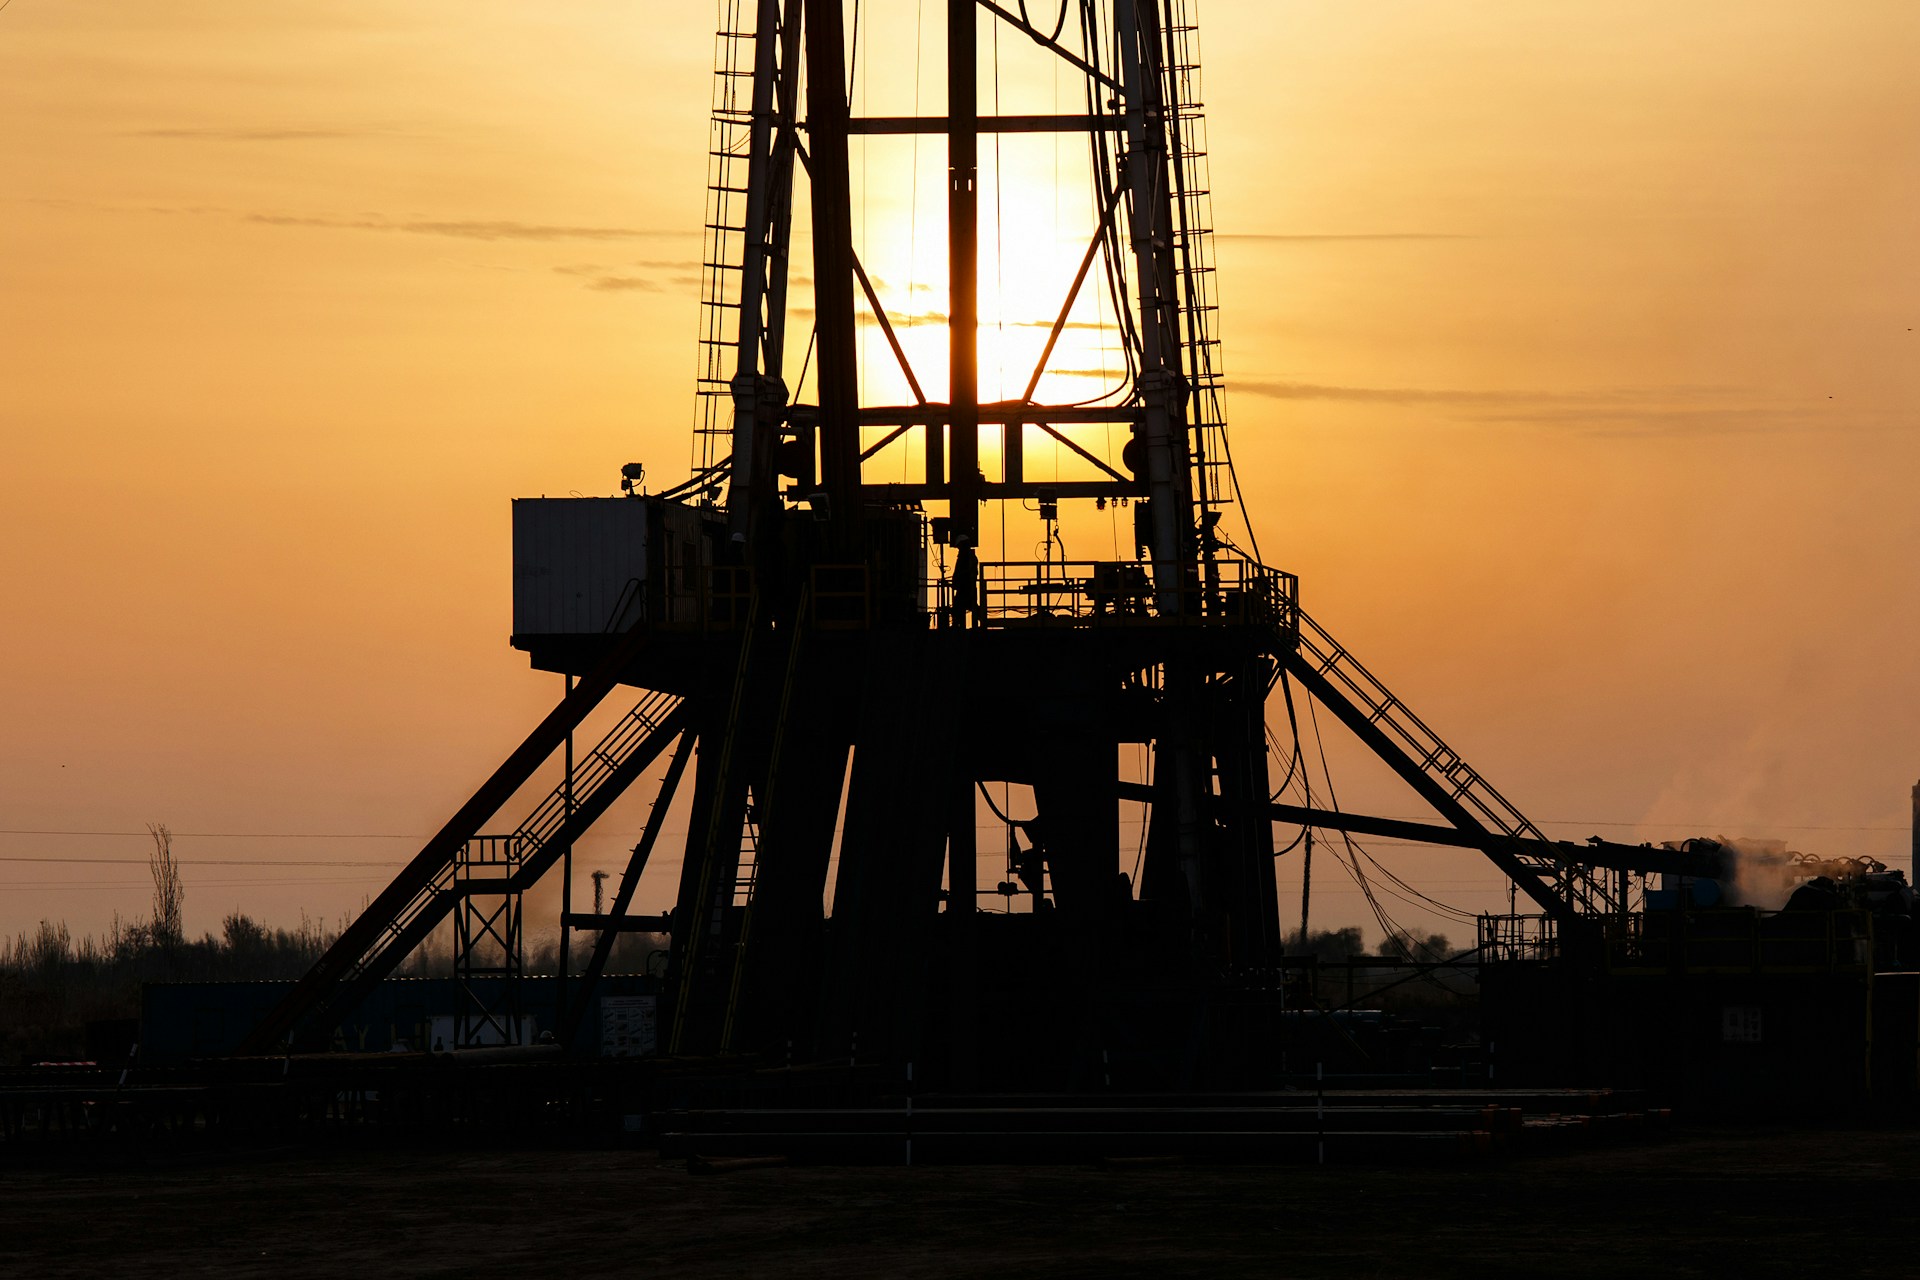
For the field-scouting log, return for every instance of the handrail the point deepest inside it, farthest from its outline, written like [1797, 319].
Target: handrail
[511, 851]
[1425, 749]
[617, 619]
[1227, 590]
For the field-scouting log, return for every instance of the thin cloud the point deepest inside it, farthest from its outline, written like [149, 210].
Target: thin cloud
[689, 267]
[1278, 390]
[862, 316]
[253, 135]
[1618, 411]
[1650, 420]
[659, 276]
[1093, 325]
[462, 229]
[1278, 237]
[618, 284]
[1591, 400]
[899, 320]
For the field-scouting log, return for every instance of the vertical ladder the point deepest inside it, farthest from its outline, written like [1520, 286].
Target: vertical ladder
[747, 880]
[1193, 250]
[707, 920]
[729, 148]
[743, 875]
[744, 883]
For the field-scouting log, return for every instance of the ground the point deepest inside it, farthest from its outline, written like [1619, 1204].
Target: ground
[1700, 1203]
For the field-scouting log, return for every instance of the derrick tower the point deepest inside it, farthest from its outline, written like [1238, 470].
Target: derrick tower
[841, 673]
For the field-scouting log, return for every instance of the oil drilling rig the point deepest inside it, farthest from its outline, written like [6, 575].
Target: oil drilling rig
[839, 674]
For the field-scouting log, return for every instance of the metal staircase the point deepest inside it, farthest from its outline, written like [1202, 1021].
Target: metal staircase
[527, 845]
[1438, 772]
[438, 880]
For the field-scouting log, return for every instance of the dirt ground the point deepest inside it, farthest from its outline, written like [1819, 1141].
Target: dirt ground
[1700, 1203]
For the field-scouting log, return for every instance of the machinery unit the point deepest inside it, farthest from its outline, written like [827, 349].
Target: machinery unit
[587, 567]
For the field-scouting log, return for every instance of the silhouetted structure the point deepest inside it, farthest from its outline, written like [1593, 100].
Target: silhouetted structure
[842, 673]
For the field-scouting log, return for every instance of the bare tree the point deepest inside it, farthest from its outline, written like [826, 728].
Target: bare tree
[169, 894]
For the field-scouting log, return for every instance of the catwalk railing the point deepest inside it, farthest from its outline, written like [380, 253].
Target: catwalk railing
[1226, 590]
[1716, 940]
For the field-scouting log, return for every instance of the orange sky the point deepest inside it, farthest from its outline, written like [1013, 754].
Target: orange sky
[1573, 352]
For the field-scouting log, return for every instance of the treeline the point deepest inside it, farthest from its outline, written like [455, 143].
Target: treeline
[52, 984]
[1335, 945]
[1447, 996]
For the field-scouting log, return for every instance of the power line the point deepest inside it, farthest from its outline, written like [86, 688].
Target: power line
[222, 835]
[1755, 824]
[1707, 822]
[59, 886]
[203, 862]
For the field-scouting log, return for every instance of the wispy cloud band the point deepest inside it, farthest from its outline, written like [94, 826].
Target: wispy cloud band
[255, 135]
[462, 228]
[1279, 237]
[1673, 410]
